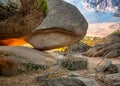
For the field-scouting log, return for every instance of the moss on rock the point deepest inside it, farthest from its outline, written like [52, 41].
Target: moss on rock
[73, 63]
[44, 5]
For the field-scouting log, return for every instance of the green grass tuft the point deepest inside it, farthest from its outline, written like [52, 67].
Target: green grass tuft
[44, 5]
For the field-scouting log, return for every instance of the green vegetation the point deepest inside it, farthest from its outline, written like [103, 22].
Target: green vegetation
[44, 5]
[29, 67]
[91, 41]
[4, 53]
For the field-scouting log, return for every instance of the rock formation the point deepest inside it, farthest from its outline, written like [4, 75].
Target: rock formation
[64, 25]
[109, 48]
[19, 20]
[14, 59]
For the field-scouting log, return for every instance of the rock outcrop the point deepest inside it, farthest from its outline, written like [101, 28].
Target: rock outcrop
[109, 50]
[64, 25]
[109, 47]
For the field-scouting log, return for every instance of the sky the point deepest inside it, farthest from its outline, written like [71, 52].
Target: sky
[91, 16]
[100, 24]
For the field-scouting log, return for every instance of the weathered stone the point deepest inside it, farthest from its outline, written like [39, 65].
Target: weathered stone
[109, 47]
[115, 76]
[18, 22]
[88, 82]
[73, 79]
[46, 76]
[118, 67]
[6, 2]
[64, 25]
[108, 50]
[112, 69]
[73, 63]
[76, 48]
[27, 59]
[113, 37]
[116, 84]
[8, 8]
[74, 74]
[7, 67]
[103, 65]
[63, 82]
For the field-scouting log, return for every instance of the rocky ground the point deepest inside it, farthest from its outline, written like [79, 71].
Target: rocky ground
[87, 73]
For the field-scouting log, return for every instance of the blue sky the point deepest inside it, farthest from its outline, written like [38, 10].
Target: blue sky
[91, 16]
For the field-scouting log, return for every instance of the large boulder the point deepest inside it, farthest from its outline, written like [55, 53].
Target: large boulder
[8, 8]
[19, 17]
[64, 25]
[23, 59]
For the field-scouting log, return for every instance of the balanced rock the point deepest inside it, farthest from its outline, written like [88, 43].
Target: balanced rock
[64, 25]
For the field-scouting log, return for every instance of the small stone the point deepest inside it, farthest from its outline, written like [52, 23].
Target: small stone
[103, 65]
[74, 74]
[115, 76]
[112, 69]
[73, 63]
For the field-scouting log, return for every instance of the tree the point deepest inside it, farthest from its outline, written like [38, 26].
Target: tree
[104, 5]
